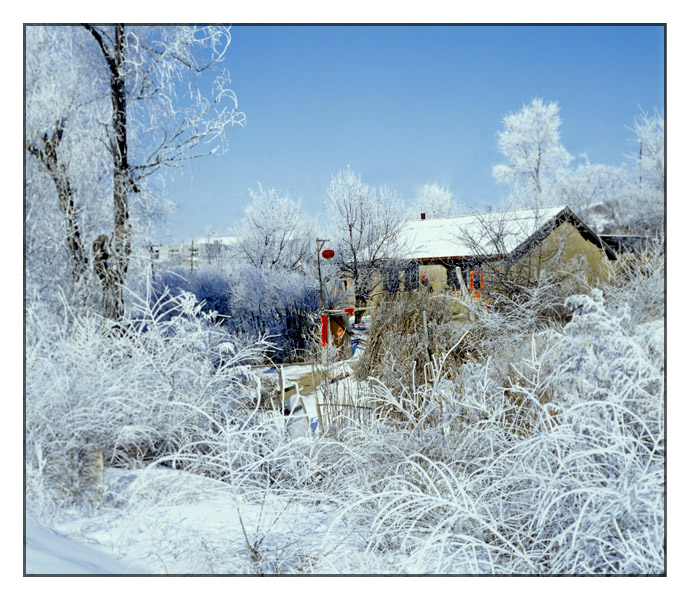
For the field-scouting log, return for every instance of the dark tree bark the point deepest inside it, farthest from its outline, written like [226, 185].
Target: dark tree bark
[111, 264]
[47, 153]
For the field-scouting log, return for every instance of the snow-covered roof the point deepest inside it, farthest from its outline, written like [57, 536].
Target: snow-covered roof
[499, 232]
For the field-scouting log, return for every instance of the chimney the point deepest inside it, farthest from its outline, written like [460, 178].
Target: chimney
[423, 216]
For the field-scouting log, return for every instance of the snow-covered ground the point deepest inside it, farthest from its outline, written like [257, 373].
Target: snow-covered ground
[173, 522]
[48, 552]
[165, 521]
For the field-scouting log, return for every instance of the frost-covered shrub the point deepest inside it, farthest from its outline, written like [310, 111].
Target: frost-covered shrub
[252, 301]
[641, 283]
[164, 380]
[276, 302]
[544, 458]
[209, 285]
[398, 350]
[512, 320]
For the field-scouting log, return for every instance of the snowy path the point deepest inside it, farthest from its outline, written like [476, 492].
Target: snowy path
[48, 552]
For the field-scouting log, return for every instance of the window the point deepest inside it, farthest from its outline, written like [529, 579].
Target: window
[411, 277]
[391, 278]
[452, 281]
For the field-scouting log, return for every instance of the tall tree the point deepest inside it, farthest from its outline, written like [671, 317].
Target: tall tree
[594, 192]
[623, 198]
[649, 131]
[530, 143]
[64, 163]
[435, 201]
[365, 225]
[274, 232]
[146, 98]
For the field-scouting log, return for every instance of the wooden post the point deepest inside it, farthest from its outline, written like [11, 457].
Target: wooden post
[282, 389]
[316, 401]
[91, 472]
[319, 245]
[426, 335]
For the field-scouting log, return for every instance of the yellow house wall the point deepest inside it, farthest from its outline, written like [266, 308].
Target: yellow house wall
[576, 263]
[568, 256]
[436, 276]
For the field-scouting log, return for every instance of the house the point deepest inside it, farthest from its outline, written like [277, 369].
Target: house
[486, 255]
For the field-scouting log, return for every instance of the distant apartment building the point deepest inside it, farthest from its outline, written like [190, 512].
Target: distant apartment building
[208, 250]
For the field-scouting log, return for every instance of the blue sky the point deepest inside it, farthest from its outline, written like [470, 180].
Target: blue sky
[409, 105]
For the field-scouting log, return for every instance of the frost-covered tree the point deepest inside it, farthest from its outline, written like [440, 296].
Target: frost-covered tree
[63, 164]
[593, 191]
[530, 143]
[649, 131]
[272, 284]
[645, 199]
[274, 232]
[610, 198]
[365, 224]
[106, 108]
[435, 201]
[626, 198]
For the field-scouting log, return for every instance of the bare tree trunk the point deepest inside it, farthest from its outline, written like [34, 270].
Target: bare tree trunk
[360, 304]
[105, 273]
[123, 233]
[47, 154]
[111, 264]
[361, 293]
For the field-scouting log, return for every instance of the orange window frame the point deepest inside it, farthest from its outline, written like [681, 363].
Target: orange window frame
[476, 292]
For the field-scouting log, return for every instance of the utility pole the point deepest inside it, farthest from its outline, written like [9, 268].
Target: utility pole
[319, 247]
[640, 164]
[324, 320]
[152, 252]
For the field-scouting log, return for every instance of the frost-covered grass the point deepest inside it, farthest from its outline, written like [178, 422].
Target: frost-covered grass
[543, 457]
[557, 469]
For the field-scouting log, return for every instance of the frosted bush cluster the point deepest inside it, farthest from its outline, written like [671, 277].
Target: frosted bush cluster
[557, 469]
[544, 457]
[136, 391]
[252, 301]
